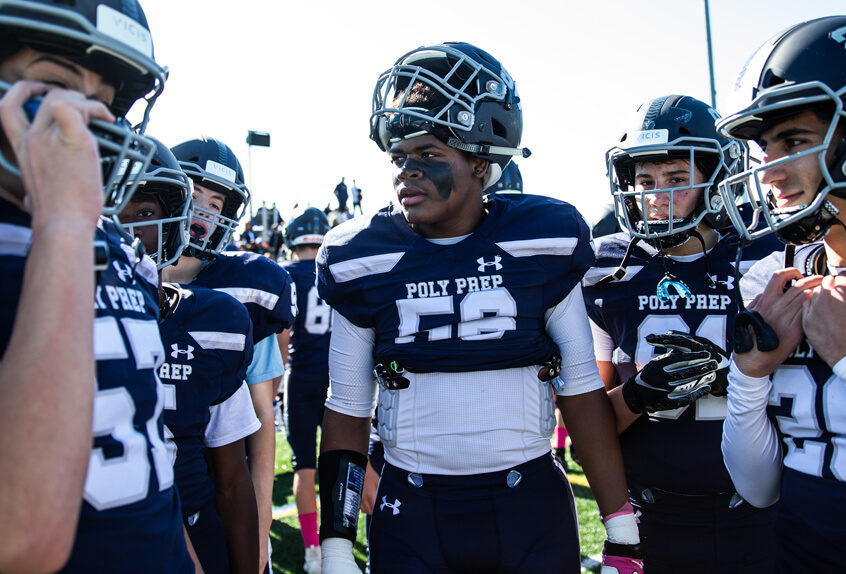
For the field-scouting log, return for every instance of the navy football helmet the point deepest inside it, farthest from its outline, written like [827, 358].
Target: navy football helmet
[109, 37]
[164, 181]
[510, 182]
[800, 68]
[122, 151]
[212, 164]
[480, 113]
[306, 228]
[668, 128]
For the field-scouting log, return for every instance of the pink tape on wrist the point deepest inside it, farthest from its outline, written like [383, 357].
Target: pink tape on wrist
[625, 509]
[560, 437]
[623, 565]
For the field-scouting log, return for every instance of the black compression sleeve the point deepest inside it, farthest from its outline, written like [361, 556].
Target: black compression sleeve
[341, 477]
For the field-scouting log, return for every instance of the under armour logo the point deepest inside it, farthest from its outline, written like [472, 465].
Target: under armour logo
[496, 263]
[728, 283]
[123, 270]
[395, 506]
[177, 351]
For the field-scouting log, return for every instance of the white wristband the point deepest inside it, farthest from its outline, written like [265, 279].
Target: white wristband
[622, 529]
[839, 369]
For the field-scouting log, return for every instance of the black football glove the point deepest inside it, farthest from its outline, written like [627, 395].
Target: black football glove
[676, 340]
[691, 369]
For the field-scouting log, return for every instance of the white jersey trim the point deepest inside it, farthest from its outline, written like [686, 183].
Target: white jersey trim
[248, 295]
[364, 266]
[595, 274]
[14, 239]
[543, 246]
[219, 340]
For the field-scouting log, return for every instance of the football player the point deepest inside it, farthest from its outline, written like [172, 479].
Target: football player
[305, 347]
[207, 337]
[461, 308]
[786, 426]
[263, 287]
[78, 380]
[672, 270]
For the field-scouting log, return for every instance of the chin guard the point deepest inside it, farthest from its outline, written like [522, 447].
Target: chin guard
[765, 338]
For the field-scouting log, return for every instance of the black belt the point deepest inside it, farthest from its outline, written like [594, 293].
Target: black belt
[643, 495]
[509, 477]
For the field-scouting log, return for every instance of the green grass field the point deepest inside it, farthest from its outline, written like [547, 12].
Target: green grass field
[288, 544]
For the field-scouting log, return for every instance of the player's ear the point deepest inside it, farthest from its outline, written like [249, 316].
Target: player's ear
[480, 166]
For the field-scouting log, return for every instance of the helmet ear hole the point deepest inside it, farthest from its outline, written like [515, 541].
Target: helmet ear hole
[498, 129]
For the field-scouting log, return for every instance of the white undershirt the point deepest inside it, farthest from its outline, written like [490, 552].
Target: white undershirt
[232, 420]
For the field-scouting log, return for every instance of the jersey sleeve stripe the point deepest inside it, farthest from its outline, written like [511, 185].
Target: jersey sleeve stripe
[593, 276]
[247, 295]
[14, 239]
[364, 266]
[542, 246]
[219, 340]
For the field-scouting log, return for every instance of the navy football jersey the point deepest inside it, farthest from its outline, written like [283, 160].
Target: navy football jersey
[208, 345]
[477, 304]
[130, 519]
[260, 284]
[807, 402]
[676, 450]
[308, 350]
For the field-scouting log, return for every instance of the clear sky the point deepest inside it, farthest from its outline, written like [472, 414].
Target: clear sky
[305, 73]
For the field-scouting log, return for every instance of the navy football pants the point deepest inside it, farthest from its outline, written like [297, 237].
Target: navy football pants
[477, 523]
[205, 529]
[703, 535]
[303, 413]
[810, 531]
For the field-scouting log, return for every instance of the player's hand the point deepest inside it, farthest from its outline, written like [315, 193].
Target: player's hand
[672, 380]
[781, 307]
[824, 319]
[621, 558]
[678, 341]
[337, 557]
[56, 153]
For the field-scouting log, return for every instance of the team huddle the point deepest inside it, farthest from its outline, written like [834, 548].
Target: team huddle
[696, 355]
